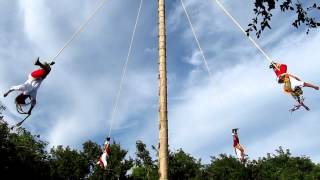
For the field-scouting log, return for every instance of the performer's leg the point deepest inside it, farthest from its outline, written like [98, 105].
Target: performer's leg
[241, 149]
[104, 159]
[310, 85]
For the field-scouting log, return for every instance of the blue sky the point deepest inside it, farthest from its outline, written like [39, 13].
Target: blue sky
[75, 101]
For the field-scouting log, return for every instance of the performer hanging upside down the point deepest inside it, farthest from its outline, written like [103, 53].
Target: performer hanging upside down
[105, 155]
[30, 87]
[291, 84]
[236, 144]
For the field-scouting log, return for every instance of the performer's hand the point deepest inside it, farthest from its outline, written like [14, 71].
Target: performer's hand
[7, 93]
[37, 61]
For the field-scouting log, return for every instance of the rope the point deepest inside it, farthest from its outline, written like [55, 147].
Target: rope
[4, 108]
[291, 116]
[124, 70]
[244, 32]
[75, 34]
[196, 38]
[220, 99]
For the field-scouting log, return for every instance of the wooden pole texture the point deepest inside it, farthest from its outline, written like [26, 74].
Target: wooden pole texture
[163, 116]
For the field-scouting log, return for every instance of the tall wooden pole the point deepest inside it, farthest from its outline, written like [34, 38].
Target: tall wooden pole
[163, 116]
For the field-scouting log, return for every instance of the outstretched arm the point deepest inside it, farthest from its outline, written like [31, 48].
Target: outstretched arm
[7, 93]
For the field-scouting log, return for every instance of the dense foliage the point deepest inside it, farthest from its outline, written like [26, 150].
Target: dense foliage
[306, 14]
[24, 155]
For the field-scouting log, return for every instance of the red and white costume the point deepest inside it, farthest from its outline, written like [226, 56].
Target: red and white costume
[280, 69]
[106, 153]
[295, 82]
[31, 86]
[238, 148]
[235, 140]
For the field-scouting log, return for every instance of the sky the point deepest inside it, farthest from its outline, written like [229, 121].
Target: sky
[74, 103]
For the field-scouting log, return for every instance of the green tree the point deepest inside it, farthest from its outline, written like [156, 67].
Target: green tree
[225, 167]
[283, 166]
[91, 152]
[183, 166]
[315, 174]
[305, 13]
[22, 155]
[145, 167]
[69, 164]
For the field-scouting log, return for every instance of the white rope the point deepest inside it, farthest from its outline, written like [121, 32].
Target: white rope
[124, 70]
[244, 32]
[75, 34]
[196, 38]
[220, 99]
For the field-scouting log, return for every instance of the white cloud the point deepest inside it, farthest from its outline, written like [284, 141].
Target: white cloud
[244, 95]
[75, 101]
[37, 24]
